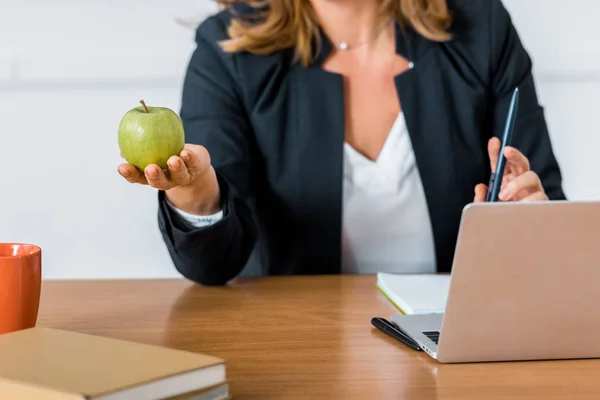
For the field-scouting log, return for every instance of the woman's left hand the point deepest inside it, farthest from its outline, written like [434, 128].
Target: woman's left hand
[519, 183]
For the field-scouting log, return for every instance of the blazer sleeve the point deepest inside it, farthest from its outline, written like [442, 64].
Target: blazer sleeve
[511, 66]
[213, 116]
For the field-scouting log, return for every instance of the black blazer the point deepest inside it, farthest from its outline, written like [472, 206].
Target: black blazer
[275, 132]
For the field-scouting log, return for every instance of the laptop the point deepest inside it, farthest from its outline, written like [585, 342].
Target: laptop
[525, 285]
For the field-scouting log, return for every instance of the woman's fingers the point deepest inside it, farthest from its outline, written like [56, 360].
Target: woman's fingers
[192, 162]
[196, 158]
[521, 186]
[493, 152]
[518, 182]
[178, 171]
[517, 162]
[132, 174]
[480, 193]
[154, 176]
[506, 179]
[537, 196]
[157, 178]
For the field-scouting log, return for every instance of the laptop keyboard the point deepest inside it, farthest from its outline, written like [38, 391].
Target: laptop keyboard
[433, 335]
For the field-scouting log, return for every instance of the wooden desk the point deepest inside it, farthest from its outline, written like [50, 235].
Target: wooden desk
[299, 337]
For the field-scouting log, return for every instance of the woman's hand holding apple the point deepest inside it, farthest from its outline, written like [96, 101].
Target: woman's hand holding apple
[189, 181]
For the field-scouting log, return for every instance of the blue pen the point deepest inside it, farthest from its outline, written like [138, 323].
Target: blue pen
[496, 178]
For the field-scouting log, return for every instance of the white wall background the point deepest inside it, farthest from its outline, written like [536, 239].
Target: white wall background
[70, 69]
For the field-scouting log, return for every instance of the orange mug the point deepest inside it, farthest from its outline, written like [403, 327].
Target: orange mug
[20, 286]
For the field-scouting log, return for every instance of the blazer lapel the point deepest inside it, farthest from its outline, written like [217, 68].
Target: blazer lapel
[432, 147]
[318, 98]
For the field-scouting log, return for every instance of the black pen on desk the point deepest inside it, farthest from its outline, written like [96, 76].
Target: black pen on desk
[496, 177]
[385, 326]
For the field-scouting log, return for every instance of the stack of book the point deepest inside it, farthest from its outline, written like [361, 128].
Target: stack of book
[52, 364]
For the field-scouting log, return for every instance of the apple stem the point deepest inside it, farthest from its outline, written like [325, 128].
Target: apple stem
[144, 104]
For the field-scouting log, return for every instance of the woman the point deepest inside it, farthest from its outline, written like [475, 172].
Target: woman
[345, 136]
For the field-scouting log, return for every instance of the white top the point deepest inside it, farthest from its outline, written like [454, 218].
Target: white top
[386, 225]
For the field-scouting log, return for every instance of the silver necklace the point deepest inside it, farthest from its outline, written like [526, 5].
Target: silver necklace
[345, 46]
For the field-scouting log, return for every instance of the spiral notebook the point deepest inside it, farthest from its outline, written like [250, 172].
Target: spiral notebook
[415, 293]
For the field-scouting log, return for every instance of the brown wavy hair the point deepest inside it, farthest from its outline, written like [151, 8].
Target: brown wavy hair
[292, 24]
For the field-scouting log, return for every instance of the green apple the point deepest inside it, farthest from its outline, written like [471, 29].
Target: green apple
[150, 135]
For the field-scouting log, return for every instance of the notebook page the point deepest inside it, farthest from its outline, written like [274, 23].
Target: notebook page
[415, 293]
